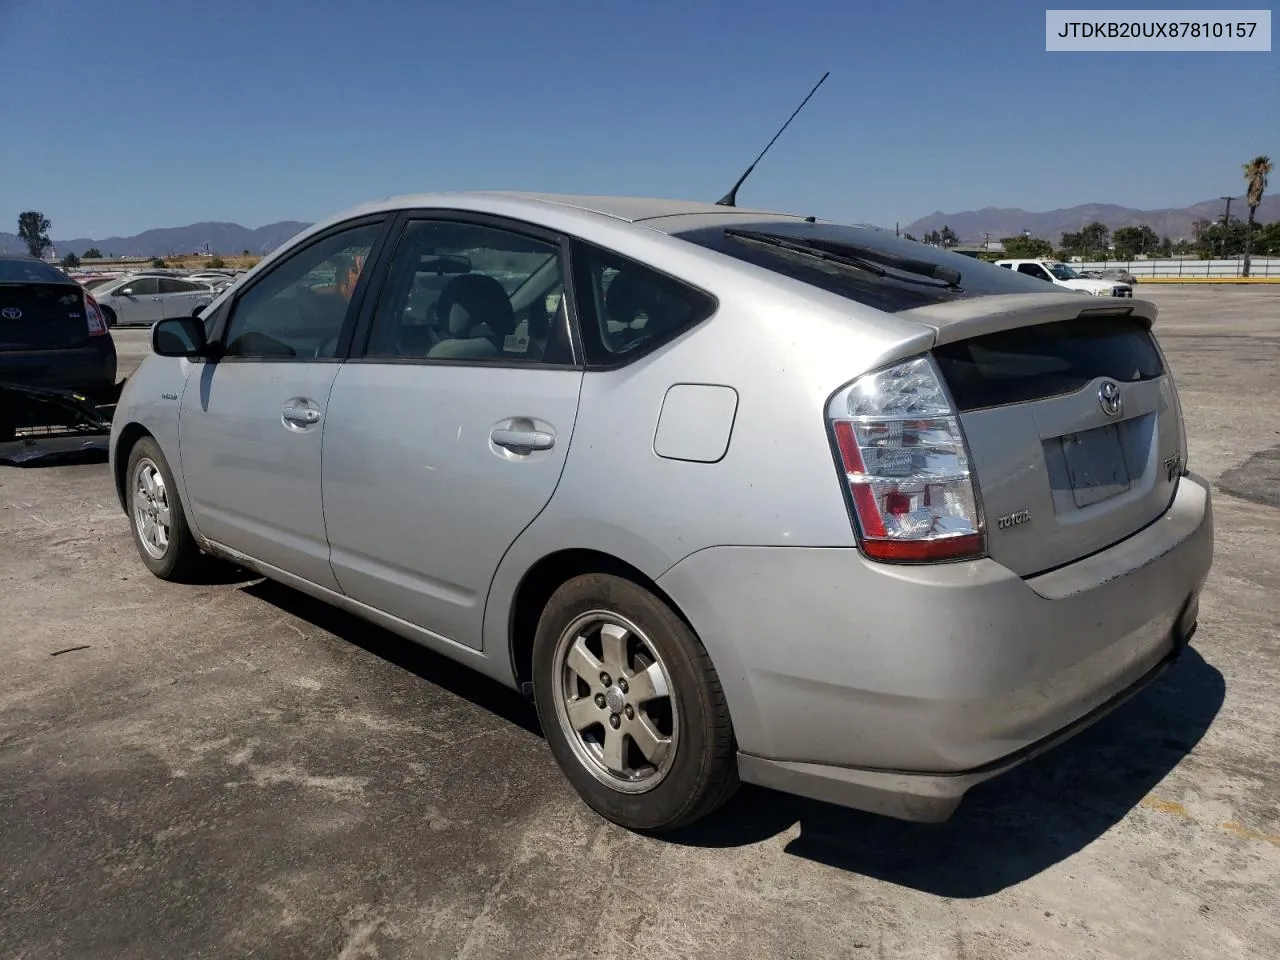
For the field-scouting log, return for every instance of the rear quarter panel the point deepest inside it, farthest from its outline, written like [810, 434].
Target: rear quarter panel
[784, 347]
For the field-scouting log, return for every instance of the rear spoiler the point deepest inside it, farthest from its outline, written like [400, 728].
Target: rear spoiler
[974, 317]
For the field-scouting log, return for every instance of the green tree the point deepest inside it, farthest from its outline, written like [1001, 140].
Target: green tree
[246, 253]
[33, 230]
[158, 262]
[1256, 172]
[1267, 240]
[93, 253]
[1094, 239]
[948, 237]
[1216, 239]
[905, 236]
[1164, 248]
[217, 263]
[71, 261]
[1026, 248]
[1131, 241]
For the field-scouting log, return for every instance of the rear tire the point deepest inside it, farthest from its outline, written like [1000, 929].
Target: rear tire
[631, 705]
[156, 516]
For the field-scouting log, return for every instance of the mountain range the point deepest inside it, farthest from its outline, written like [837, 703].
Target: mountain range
[231, 238]
[1050, 225]
[223, 238]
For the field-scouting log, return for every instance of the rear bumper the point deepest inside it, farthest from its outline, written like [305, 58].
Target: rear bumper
[89, 370]
[922, 797]
[897, 688]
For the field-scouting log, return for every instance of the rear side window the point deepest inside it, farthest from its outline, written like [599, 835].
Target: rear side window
[629, 309]
[1047, 360]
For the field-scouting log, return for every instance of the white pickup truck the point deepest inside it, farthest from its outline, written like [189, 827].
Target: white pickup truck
[1057, 272]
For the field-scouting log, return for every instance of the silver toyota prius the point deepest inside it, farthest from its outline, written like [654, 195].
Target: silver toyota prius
[732, 495]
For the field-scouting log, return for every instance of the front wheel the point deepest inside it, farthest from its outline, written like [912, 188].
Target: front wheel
[631, 705]
[159, 523]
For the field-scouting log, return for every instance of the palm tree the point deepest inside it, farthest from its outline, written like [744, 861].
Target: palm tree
[1255, 172]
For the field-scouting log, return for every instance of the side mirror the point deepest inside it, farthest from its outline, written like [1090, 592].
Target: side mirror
[179, 337]
[126, 292]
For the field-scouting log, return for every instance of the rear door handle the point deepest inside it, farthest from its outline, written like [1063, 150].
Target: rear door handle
[296, 414]
[521, 440]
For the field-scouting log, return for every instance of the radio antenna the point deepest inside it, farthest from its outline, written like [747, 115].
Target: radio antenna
[730, 199]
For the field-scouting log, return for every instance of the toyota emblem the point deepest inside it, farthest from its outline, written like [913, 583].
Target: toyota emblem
[11, 313]
[1109, 398]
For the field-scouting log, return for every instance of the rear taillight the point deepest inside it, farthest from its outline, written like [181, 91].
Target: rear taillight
[93, 316]
[900, 449]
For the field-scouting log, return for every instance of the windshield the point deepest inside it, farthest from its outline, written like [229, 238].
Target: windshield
[894, 274]
[1063, 272]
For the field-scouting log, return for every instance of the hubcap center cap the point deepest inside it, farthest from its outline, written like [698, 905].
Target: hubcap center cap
[614, 700]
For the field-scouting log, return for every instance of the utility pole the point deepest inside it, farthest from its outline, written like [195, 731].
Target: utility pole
[1226, 225]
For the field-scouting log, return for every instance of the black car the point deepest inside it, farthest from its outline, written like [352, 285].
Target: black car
[52, 332]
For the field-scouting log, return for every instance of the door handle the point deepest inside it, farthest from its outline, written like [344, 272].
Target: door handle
[521, 440]
[296, 414]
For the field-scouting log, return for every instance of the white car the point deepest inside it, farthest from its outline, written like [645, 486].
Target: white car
[1058, 273]
[145, 298]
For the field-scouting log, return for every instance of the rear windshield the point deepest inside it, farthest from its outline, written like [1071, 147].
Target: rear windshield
[893, 292]
[30, 271]
[1047, 360]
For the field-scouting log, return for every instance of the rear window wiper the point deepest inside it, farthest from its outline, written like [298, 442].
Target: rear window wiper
[850, 255]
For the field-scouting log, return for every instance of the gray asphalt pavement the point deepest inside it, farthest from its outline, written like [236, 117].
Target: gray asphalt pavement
[235, 770]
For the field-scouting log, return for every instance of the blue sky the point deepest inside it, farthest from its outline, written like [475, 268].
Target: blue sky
[122, 116]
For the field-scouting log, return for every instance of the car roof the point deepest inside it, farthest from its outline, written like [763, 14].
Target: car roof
[656, 212]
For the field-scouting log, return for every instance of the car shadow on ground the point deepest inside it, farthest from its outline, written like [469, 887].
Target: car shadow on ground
[447, 674]
[1008, 829]
[1005, 831]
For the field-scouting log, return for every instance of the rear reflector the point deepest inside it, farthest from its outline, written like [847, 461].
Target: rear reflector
[903, 458]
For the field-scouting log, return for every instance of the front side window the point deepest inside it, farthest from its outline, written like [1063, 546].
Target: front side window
[467, 291]
[298, 308]
[140, 287]
[628, 308]
[1063, 272]
[1033, 270]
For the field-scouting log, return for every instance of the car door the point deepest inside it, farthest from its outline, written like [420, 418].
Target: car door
[447, 433]
[137, 301]
[251, 422]
[181, 298]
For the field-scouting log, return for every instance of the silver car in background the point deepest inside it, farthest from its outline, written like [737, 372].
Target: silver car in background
[142, 299]
[732, 495]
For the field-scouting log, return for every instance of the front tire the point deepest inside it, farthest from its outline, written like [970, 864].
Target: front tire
[631, 705]
[158, 521]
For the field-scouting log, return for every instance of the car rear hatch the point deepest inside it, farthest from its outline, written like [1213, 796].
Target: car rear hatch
[1071, 419]
[42, 316]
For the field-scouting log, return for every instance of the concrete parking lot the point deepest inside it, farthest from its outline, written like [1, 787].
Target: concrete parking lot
[236, 770]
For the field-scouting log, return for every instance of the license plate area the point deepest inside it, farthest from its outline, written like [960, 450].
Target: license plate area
[1096, 465]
